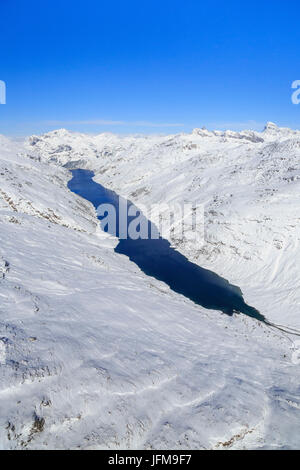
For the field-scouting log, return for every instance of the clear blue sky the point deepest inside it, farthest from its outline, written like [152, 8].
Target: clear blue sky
[140, 66]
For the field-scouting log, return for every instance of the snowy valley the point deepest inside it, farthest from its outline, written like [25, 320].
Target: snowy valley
[95, 354]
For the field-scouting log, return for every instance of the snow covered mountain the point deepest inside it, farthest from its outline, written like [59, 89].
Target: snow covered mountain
[95, 354]
[249, 183]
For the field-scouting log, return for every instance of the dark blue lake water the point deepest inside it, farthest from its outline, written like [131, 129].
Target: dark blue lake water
[157, 258]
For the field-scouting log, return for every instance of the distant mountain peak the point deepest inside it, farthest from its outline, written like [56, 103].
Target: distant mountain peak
[271, 126]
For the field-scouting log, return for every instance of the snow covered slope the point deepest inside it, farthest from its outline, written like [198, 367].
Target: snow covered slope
[249, 183]
[95, 354]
